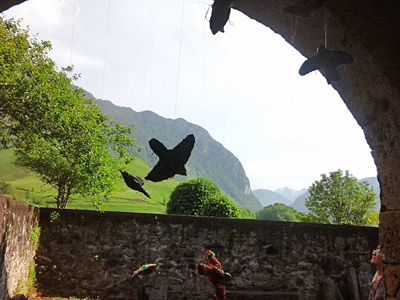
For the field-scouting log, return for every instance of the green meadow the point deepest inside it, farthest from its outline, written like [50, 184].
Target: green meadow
[26, 187]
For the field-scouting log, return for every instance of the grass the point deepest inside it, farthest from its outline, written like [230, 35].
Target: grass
[27, 187]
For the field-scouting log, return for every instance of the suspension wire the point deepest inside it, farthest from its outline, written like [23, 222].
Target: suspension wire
[72, 34]
[326, 30]
[204, 67]
[105, 51]
[179, 59]
[150, 32]
[226, 85]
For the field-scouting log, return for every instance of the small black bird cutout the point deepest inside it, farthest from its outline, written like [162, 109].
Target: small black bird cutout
[303, 10]
[134, 182]
[171, 161]
[221, 9]
[326, 61]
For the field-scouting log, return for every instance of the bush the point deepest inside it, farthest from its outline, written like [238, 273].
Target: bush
[247, 213]
[189, 197]
[220, 206]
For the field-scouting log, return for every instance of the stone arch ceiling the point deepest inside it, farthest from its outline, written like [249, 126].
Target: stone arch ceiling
[370, 31]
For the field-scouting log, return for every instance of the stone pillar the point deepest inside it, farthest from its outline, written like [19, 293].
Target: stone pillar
[390, 240]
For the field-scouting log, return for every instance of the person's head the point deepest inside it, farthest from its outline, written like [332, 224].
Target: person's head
[377, 257]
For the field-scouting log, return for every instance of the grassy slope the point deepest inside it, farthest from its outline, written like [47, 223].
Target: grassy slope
[29, 186]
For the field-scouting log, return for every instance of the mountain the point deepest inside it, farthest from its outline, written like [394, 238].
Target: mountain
[299, 203]
[209, 159]
[268, 197]
[290, 194]
[373, 181]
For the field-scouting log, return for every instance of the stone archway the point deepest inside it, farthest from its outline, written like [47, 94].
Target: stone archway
[370, 31]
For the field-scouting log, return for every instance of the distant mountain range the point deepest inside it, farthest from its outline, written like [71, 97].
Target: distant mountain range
[209, 159]
[285, 195]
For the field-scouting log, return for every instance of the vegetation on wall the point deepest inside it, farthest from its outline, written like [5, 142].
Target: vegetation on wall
[201, 197]
[280, 212]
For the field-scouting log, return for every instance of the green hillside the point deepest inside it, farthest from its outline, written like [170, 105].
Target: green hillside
[209, 158]
[25, 186]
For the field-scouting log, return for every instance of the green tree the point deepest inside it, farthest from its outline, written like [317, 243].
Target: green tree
[54, 130]
[279, 212]
[340, 199]
[189, 196]
[247, 213]
[220, 206]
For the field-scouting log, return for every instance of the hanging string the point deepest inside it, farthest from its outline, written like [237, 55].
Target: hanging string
[150, 32]
[293, 29]
[179, 59]
[204, 66]
[326, 30]
[105, 51]
[226, 85]
[72, 34]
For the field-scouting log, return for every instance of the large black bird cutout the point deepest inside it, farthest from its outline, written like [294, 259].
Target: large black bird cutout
[304, 9]
[134, 182]
[326, 61]
[171, 161]
[221, 9]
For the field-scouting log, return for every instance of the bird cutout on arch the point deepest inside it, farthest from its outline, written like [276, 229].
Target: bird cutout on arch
[220, 12]
[327, 61]
[171, 162]
[145, 270]
[134, 182]
[304, 9]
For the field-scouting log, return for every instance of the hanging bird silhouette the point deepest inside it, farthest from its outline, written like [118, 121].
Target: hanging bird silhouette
[134, 182]
[304, 10]
[221, 9]
[145, 270]
[171, 161]
[326, 61]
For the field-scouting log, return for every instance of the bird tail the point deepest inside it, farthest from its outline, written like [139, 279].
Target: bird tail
[147, 195]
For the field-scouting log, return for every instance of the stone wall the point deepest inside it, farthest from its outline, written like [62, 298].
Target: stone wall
[91, 254]
[18, 236]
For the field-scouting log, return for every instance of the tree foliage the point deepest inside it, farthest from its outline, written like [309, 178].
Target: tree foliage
[340, 199]
[201, 197]
[247, 213]
[54, 130]
[220, 206]
[189, 196]
[280, 212]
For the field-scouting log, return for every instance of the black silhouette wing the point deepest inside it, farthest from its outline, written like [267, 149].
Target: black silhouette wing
[158, 148]
[337, 57]
[221, 10]
[160, 172]
[181, 153]
[173, 161]
[309, 65]
[327, 61]
[304, 10]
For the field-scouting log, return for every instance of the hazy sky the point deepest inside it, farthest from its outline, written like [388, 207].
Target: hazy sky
[242, 86]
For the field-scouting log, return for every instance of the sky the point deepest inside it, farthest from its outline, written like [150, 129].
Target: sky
[242, 86]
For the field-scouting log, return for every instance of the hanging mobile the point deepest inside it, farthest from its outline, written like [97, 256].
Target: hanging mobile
[327, 61]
